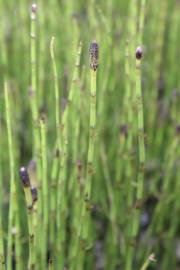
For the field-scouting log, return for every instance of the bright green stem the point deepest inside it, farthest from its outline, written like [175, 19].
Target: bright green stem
[45, 193]
[61, 197]
[57, 148]
[35, 124]
[129, 107]
[92, 134]
[28, 196]
[90, 158]
[56, 89]
[34, 84]
[18, 244]
[141, 21]
[140, 121]
[2, 258]
[85, 201]
[141, 145]
[13, 202]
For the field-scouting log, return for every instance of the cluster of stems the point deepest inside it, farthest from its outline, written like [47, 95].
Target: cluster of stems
[101, 145]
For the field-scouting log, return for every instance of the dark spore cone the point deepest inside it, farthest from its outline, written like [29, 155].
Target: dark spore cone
[24, 177]
[138, 53]
[93, 55]
[34, 8]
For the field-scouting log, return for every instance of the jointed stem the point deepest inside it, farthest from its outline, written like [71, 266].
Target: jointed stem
[13, 199]
[141, 145]
[2, 258]
[45, 193]
[56, 159]
[90, 157]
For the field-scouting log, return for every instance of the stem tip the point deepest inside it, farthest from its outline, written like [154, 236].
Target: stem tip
[34, 8]
[93, 55]
[139, 53]
[24, 177]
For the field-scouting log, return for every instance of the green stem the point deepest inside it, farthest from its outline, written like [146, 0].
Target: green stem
[45, 193]
[141, 145]
[13, 200]
[57, 148]
[2, 258]
[147, 262]
[28, 196]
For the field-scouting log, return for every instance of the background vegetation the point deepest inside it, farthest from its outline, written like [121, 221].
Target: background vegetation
[101, 204]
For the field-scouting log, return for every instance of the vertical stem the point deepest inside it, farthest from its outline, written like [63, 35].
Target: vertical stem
[61, 198]
[140, 126]
[86, 205]
[35, 124]
[13, 199]
[45, 193]
[141, 21]
[92, 133]
[34, 79]
[129, 106]
[147, 262]
[50, 265]
[57, 150]
[2, 258]
[90, 157]
[141, 146]
[56, 89]
[29, 203]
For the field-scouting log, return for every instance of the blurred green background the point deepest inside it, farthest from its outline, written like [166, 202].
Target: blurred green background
[113, 24]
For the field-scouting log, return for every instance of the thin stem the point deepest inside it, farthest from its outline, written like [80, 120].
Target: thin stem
[34, 81]
[61, 198]
[29, 203]
[141, 145]
[45, 188]
[86, 204]
[56, 88]
[35, 122]
[2, 258]
[13, 202]
[147, 262]
[56, 159]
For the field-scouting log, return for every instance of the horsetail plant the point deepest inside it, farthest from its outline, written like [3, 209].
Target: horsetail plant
[2, 257]
[29, 203]
[141, 145]
[61, 198]
[56, 160]
[129, 107]
[140, 121]
[83, 230]
[33, 92]
[93, 55]
[45, 190]
[13, 193]
[141, 155]
[35, 116]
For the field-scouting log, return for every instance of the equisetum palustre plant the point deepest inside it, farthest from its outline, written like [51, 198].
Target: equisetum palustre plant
[89, 160]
